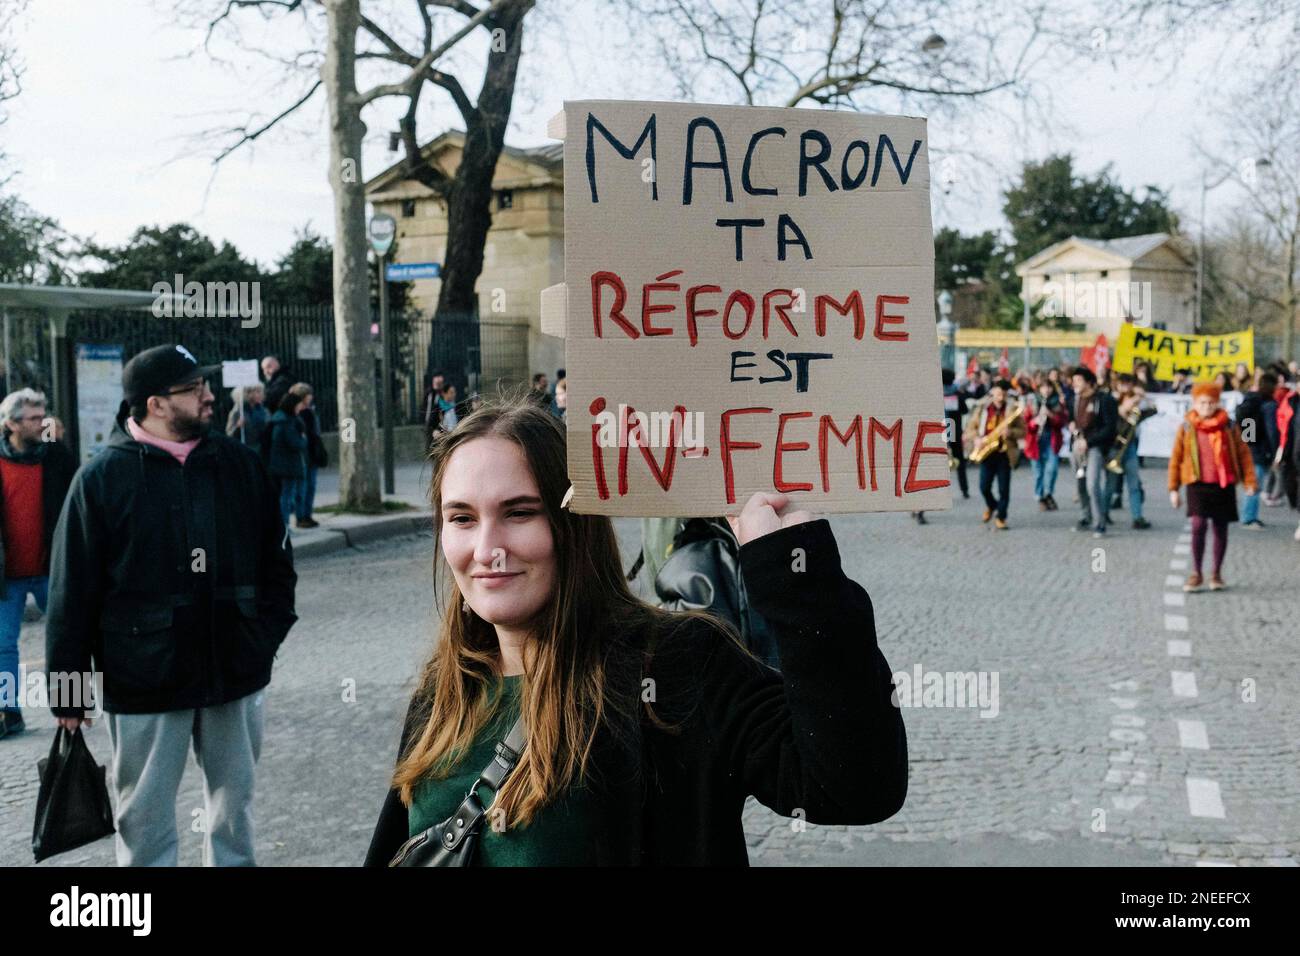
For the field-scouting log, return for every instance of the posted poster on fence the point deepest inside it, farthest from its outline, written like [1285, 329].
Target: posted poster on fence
[1199, 357]
[749, 306]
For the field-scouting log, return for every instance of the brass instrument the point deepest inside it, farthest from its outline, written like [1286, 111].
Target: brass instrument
[1115, 462]
[989, 443]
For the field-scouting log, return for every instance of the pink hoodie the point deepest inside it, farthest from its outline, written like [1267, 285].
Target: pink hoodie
[179, 450]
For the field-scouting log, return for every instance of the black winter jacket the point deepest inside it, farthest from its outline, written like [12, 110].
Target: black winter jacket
[823, 743]
[176, 582]
[1256, 409]
[58, 465]
[288, 446]
[276, 388]
[1101, 431]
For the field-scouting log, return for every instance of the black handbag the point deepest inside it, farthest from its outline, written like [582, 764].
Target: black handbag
[702, 573]
[72, 805]
[454, 841]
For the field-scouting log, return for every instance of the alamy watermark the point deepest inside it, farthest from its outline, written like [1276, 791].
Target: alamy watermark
[922, 688]
[1098, 299]
[66, 690]
[195, 300]
[626, 428]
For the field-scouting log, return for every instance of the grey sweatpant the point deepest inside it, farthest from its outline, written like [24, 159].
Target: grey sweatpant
[149, 754]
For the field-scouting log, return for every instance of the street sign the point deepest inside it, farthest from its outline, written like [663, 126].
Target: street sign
[398, 271]
[383, 228]
[311, 347]
[99, 393]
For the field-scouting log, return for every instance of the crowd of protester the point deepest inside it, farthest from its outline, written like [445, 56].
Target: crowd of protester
[1050, 414]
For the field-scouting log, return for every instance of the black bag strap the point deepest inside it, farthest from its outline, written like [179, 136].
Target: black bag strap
[467, 820]
[505, 758]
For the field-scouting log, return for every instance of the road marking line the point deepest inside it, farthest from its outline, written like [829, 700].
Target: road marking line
[1178, 564]
[1182, 549]
[1214, 863]
[1173, 581]
[1192, 736]
[1179, 648]
[1184, 539]
[1204, 799]
[1175, 622]
[1184, 683]
[1175, 599]
[1128, 802]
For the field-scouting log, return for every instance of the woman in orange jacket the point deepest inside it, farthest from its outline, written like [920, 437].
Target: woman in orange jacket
[1210, 458]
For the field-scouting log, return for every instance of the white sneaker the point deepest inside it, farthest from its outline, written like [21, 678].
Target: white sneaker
[1297, 532]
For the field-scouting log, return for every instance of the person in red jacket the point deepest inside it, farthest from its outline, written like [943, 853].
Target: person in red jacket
[35, 472]
[1043, 442]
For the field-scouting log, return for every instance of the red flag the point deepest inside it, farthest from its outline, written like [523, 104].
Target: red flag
[1004, 365]
[972, 367]
[1101, 356]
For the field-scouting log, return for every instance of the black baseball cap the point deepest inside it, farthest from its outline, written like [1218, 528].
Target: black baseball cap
[157, 370]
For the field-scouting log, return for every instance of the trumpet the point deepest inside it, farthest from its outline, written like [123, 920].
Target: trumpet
[989, 443]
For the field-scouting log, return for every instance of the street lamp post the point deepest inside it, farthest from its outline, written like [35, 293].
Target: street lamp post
[382, 230]
[947, 328]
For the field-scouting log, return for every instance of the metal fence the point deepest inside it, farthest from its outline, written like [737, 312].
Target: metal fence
[474, 355]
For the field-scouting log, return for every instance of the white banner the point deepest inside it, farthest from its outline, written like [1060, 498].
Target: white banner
[1156, 434]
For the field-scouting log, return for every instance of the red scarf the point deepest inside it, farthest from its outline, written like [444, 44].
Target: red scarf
[1216, 429]
[1284, 411]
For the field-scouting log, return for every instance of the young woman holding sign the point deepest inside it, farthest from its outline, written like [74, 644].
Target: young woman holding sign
[645, 730]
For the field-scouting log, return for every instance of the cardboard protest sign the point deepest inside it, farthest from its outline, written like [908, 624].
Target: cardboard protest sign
[1201, 357]
[749, 306]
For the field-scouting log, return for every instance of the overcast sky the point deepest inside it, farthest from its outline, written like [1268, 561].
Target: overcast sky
[102, 137]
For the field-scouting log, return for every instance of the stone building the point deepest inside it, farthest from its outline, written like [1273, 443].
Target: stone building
[1148, 280]
[525, 246]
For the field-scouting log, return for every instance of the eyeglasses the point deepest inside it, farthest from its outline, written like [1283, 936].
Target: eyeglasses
[198, 386]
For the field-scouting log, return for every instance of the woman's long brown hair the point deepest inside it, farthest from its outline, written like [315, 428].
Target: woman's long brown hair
[574, 667]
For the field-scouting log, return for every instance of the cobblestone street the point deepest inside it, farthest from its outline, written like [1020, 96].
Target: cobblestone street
[1131, 725]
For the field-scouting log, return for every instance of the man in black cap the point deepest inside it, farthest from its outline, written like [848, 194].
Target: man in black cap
[172, 572]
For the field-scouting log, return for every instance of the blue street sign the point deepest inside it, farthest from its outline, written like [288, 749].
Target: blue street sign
[398, 271]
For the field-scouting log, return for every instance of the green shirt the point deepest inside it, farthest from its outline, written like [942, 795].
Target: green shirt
[560, 834]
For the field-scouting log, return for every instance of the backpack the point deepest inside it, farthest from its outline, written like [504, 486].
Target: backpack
[702, 572]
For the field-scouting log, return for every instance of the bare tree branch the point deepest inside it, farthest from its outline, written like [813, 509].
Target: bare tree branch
[406, 86]
[247, 137]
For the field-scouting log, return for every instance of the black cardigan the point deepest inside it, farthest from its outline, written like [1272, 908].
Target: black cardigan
[821, 741]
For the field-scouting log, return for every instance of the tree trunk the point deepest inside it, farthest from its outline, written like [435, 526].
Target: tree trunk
[1292, 305]
[358, 431]
[469, 199]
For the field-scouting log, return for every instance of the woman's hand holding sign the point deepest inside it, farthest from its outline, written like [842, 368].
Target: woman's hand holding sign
[762, 515]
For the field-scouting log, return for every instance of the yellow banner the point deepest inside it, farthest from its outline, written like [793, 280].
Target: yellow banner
[1201, 357]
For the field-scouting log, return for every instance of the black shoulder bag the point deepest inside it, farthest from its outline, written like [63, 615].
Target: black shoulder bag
[454, 841]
